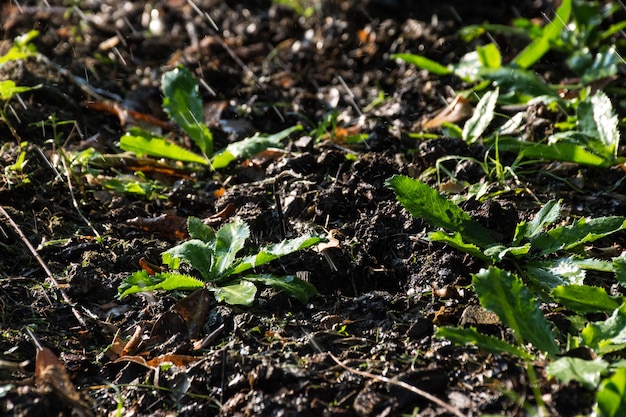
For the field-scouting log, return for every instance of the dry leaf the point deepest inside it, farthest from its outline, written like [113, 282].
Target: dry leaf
[458, 110]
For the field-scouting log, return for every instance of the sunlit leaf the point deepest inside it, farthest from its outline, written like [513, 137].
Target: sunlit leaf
[229, 240]
[196, 253]
[143, 143]
[608, 335]
[242, 293]
[546, 216]
[583, 231]
[272, 252]
[482, 117]
[425, 202]
[489, 56]
[611, 396]
[486, 343]
[506, 295]
[183, 103]
[8, 89]
[456, 241]
[291, 285]
[250, 146]
[537, 49]
[424, 63]
[140, 281]
[587, 373]
[585, 299]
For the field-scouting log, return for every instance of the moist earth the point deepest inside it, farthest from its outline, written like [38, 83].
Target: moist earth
[383, 288]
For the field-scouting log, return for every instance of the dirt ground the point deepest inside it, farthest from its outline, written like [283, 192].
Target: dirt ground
[383, 288]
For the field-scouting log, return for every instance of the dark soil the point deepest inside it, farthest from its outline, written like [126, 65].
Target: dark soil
[383, 288]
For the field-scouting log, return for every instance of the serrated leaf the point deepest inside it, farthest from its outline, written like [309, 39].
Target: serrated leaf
[242, 293]
[482, 117]
[143, 143]
[198, 254]
[505, 294]
[424, 202]
[486, 343]
[272, 252]
[424, 63]
[585, 299]
[583, 231]
[608, 335]
[183, 103]
[250, 146]
[291, 285]
[619, 267]
[198, 230]
[140, 281]
[587, 373]
[611, 396]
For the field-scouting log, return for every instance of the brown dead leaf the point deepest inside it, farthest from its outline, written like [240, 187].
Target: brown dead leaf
[458, 110]
[194, 309]
[167, 226]
[50, 373]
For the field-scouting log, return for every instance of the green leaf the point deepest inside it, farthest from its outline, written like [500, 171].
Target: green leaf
[424, 63]
[140, 281]
[183, 103]
[505, 294]
[250, 146]
[488, 344]
[567, 152]
[611, 396]
[456, 241]
[198, 254]
[482, 117]
[199, 230]
[489, 56]
[424, 202]
[533, 52]
[583, 231]
[269, 253]
[608, 335]
[143, 143]
[546, 216]
[291, 285]
[8, 89]
[619, 267]
[606, 121]
[229, 240]
[587, 373]
[517, 80]
[604, 65]
[242, 293]
[585, 299]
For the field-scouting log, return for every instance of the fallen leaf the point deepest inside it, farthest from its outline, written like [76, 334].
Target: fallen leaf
[168, 226]
[458, 110]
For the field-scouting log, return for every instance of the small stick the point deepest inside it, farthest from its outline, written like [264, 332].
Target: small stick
[33, 251]
[401, 384]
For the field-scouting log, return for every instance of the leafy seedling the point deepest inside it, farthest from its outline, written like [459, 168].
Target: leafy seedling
[213, 255]
[183, 103]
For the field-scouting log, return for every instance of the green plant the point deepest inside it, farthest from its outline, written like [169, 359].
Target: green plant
[550, 266]
[213, 255]
[183, 103]
[591, 136]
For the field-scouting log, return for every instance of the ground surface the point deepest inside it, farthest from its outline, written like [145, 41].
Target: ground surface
[383, 288]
